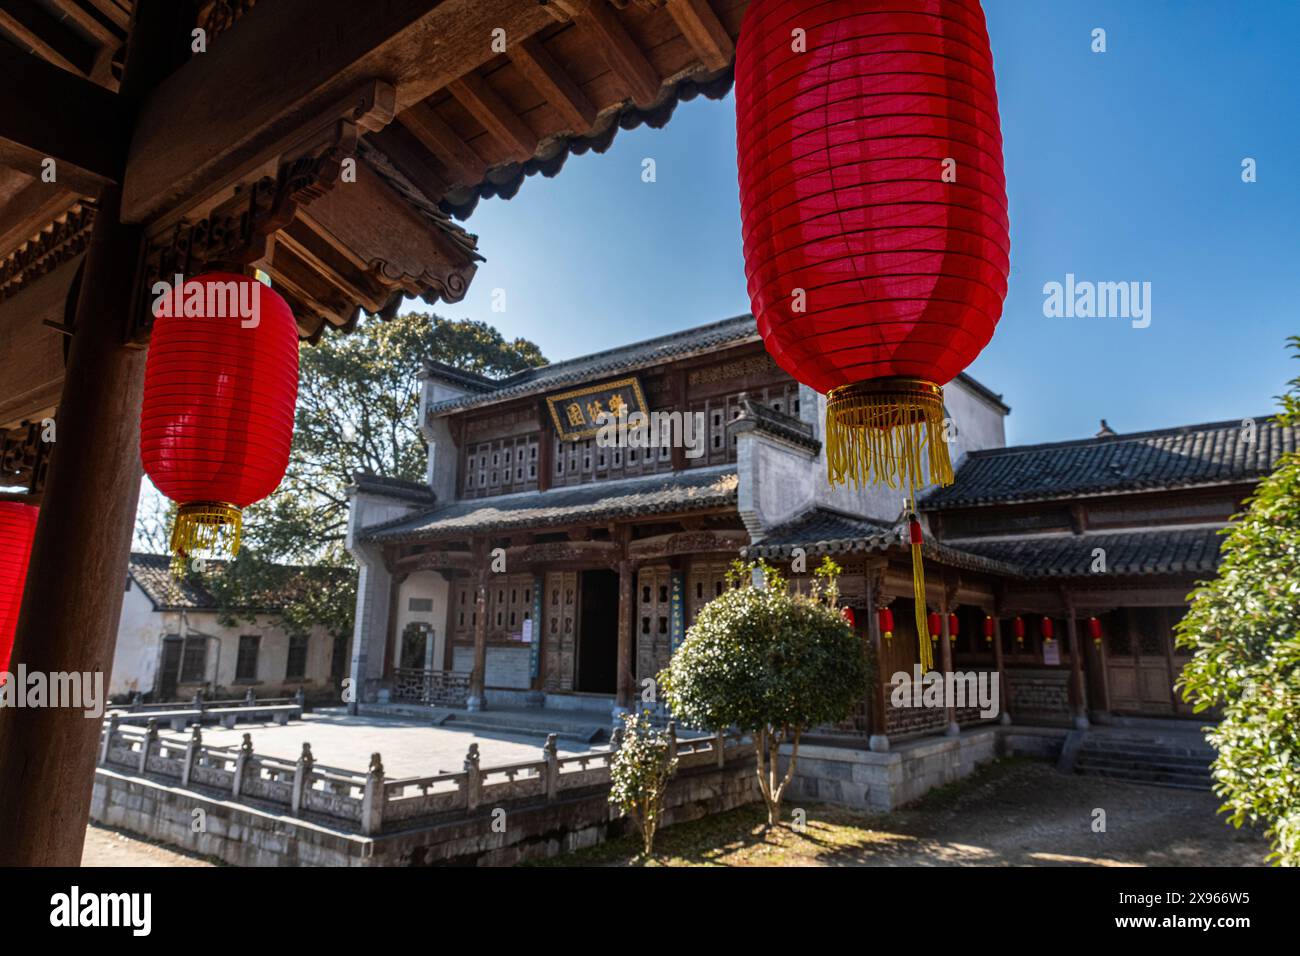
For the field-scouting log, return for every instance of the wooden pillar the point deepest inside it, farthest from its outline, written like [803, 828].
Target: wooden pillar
[478, 677]
[876, 686]
[1076, 667]
[626, 679]
[1004, 691]
[73, 597]
[1099, 657]
[945, 659]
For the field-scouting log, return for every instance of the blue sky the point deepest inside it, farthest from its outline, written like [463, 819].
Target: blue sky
[1121, 166]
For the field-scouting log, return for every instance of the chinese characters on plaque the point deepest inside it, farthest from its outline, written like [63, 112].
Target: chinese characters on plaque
[578, 414]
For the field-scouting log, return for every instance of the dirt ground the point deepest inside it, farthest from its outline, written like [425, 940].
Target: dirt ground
[1014, 813]
[109, 847]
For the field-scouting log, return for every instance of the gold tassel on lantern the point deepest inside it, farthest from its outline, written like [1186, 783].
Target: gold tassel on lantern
[876, 431]
[205, 529]
[918, 596]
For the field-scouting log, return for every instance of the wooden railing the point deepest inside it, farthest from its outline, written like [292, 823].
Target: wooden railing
[439, 688]
[372, 803]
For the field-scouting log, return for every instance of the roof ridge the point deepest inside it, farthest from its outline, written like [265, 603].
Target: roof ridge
[1121, 438]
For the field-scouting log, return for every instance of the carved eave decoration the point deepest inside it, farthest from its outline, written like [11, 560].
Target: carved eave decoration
[55, 244]
[336, 235]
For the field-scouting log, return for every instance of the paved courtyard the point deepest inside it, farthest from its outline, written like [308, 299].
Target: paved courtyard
[409, 748]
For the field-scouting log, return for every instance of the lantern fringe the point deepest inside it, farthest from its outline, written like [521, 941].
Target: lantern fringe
[877, 431]
[204, 529]
[918, 597]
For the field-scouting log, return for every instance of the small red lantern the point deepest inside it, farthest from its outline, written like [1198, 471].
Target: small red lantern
[988, 629]
[1047, 629]
[886, 623]
[17, 529]
[221, 383]
[935, 625]
[849, 617]
[1094, 631]
[952, 628]
[1019, 627]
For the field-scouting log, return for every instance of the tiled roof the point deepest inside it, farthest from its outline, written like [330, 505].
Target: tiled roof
[625, 358]
[1166, 551]
[416, 491]
[758, 417]
[689, 490]
[1187, 456]
[821, 531]
[152, 573]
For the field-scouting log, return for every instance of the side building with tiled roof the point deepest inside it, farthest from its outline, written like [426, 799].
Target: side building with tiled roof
[175, 640]
[542, 564]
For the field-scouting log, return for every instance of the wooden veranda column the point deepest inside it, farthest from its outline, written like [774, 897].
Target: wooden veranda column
[945, 656]
[876, 692]
[626, 679]
[73, 597]
[478, 677]
[1076, 668]
[1004, 692]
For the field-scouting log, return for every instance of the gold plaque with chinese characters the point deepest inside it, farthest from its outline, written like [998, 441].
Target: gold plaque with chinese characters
[578, 414]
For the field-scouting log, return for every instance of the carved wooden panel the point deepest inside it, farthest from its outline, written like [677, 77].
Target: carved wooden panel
[561, 622]
[705, 580]
[500, 467]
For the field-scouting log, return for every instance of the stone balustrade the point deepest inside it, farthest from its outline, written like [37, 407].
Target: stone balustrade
[372, 803]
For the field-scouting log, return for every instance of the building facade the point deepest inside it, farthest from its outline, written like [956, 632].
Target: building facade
[544, 564]
[173, 641]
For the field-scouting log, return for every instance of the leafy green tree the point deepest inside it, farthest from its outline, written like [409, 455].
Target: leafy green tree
[639, 775]
[1244, 627]
[770, 662]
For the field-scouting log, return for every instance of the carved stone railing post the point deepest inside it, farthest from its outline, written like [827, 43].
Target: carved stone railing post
[720, 741]
[196, 702]
[146, 745]
[302, 778]
[616, 739]
[191, 755]
[300, 699]
[241, 765]
[250, 698]
[473, 779]
[137, 701]
[672, 740]
[551, 755]
[372, 805]
[110, 732]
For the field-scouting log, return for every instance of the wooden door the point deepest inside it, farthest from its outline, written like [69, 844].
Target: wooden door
[1139, 663]
[169, 668]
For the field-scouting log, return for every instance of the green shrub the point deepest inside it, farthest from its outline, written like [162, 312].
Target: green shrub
[770, 663]
[639, 775]
[1244, 627]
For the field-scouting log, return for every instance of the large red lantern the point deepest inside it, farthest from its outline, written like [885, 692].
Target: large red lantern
[17, 529]
[874, 217]
[221, 383]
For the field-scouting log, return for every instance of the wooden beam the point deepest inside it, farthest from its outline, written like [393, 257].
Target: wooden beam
[80, 125]
[113, 12]
[607, 34]
[463, 165]
[219, 112]
[33, 28]
[501, 122]
[703, 31]
[540, 69]
[88, 22]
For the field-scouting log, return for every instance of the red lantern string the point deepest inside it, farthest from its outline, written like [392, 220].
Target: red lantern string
[952, 628]
[17, 529]
[886, 623]
[219, 397]
[874, 214]
[1047, 630]
[934, 625]
[1019, 626]
[988, 629]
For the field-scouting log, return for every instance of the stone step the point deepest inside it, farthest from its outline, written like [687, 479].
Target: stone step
[1150, 777]
[1138, 767]
[1138, 758]
[1133, 745]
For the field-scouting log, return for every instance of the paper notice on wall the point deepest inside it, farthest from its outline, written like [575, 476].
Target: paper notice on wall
[526, 635]
[1051, 652]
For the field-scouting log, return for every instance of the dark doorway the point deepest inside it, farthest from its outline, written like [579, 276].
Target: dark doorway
[598, 633]
[339, 660]
[167, 671]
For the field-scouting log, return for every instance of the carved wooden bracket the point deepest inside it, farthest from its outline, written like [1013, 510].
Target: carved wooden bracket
[23, 457]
